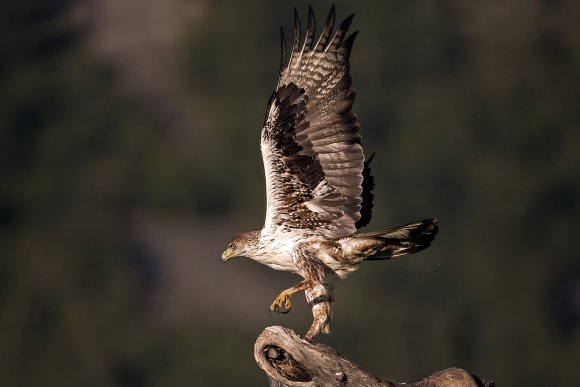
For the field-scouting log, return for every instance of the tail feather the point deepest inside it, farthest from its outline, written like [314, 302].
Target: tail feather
[394, 242]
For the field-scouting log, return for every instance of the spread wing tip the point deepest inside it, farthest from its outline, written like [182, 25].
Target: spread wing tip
[324, 42]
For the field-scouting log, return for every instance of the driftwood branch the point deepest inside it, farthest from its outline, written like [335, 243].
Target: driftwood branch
[288, 360]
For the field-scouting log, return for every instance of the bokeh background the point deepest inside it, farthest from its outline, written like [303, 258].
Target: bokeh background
[129, 157]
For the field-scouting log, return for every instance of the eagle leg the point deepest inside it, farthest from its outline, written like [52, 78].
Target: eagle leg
[282, 303]
[320, 300]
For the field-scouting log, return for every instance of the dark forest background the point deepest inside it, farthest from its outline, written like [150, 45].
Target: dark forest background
[129, 157]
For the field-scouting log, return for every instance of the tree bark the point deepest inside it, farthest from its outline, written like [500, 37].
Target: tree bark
[289, 360]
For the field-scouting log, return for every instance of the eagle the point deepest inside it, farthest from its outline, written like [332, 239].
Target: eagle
[318, 183]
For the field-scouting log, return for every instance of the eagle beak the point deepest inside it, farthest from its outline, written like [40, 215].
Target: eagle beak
[226, 255]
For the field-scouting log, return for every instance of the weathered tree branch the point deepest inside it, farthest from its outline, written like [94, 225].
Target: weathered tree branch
[289, 360]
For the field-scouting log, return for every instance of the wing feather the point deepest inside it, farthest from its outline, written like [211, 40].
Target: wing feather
[310, 29]
[326, 31]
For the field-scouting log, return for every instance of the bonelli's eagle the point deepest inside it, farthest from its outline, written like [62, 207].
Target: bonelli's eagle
[318, 183]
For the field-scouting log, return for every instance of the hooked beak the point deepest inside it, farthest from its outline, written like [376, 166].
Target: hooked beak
[226, 255]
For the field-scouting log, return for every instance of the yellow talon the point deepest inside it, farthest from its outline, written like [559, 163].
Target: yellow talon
[282, 303]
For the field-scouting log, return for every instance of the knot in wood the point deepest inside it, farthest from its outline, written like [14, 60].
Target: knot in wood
[273, 353]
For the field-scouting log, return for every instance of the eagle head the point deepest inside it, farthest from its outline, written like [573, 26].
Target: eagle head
[241, 245]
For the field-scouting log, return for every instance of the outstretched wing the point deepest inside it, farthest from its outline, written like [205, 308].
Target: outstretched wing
[310, 141]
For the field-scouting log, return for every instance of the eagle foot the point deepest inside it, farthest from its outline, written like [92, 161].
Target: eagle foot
[281, 304]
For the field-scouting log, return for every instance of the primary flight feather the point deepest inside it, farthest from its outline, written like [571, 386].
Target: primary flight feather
[318, 183]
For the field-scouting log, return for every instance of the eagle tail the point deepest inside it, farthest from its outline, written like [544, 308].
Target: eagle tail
[401, 240]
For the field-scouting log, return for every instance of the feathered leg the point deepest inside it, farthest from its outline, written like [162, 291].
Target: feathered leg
[319, 299]
[317, 293]
[311, 270]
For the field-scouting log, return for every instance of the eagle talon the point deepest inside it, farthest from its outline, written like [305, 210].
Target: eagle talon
[281, 304]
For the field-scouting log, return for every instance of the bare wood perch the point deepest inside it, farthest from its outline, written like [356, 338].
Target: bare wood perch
[288, 360]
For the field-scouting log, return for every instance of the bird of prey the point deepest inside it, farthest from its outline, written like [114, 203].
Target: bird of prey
[318, 183]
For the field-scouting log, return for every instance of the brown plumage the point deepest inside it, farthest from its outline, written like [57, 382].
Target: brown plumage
[318, 184]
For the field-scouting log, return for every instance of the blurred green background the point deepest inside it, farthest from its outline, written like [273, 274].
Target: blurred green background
[129, 157]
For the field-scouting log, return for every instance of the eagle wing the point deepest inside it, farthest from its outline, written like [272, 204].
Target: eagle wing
[310, 142]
